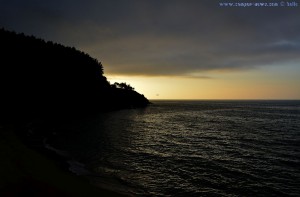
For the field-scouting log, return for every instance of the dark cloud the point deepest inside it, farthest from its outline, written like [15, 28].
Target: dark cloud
[154, 37]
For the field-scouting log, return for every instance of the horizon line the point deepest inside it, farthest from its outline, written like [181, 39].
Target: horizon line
[224, 99]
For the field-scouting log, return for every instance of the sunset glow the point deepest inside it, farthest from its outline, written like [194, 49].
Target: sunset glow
[268, 83]
[179, 49]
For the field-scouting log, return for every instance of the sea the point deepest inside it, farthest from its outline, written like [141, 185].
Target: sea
[189, 148]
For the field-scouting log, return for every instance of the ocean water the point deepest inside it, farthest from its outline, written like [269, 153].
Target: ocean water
[190, 148]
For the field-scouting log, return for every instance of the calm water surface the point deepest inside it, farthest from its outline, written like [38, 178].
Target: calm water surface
[191, 148]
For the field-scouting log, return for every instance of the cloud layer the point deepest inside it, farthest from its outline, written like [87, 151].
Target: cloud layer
[153, 37]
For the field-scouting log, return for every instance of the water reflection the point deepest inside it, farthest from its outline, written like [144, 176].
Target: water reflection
[192, 148]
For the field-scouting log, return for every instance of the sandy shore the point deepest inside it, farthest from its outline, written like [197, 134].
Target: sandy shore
[26, 172]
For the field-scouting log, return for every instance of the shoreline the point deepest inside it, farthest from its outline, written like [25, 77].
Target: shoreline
[36, 171]
[78, 169]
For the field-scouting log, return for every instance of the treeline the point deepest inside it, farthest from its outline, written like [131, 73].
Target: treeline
[39, 78]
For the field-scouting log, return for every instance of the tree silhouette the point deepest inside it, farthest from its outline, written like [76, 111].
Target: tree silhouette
[39, 77]
[123, 86]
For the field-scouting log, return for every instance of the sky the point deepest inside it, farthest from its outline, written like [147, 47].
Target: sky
[175, 49]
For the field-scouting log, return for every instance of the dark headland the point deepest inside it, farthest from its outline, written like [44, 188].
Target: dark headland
[42, 82]
[40, 78]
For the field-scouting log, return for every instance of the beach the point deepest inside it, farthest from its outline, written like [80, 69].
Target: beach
[27, 172]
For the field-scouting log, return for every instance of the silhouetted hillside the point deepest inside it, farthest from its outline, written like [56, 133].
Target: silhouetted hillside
[41, 78]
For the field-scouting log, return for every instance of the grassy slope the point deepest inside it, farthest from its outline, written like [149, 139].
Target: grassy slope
[24, 172]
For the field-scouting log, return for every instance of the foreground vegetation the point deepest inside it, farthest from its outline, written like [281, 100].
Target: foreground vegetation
[39, 78]
[43, 83]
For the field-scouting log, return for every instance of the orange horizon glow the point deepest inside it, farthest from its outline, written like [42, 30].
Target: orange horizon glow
[262, 84]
